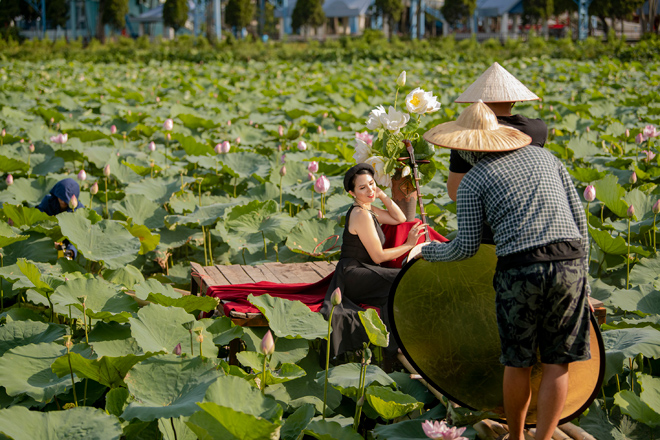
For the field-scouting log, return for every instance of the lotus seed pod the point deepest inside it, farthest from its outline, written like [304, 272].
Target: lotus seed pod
[94, 188]
[82, 175]
[168, 125]
[106, 170]
[313, 167]
[113, 129]
[631, 211]
[401, 80]
[31, 148]
[335, 299]
[152, 146]
[302, 146]
[73, 204]
[268, 344]
[10, 179]
[590, 193]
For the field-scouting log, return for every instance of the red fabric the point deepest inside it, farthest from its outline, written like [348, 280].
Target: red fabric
[310, 294]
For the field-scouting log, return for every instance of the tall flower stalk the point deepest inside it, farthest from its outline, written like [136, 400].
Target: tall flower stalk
[656, 210]
[267, 348]
[589, 196]
[366, 360]
[631, 214]
[335, 299]
[69, 345]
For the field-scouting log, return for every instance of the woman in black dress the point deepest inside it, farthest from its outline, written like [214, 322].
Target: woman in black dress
[358, 274]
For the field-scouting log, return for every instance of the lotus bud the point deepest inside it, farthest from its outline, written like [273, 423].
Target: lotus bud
[106, 170]
[152, 146]
[177, 349]
[238, 140]
[319, 129]
[311, 177]
[335, 299]
[656, 207]
[250, 122]
[401, 80]
[322, 185]
[200, 338]
[3, 132]
[339, 128]
[31, 148]
[280, 131]
[360, 401]
[639, 138]
[283, 158]
[52, 120]
[102, 96]
[168, 125]
[320, 215]
[633, 178]
[627, 133]
[229, 123]
[590, 193]
[73, 203]
[10, 179]
[157, 99]
[113, 130]
[169, 137]
[82, 175]
[313, 167]
[325, 114]
[268, 344]
[302, 146]
[68, 344]
[631, 211]
[588, 129]
[541, 106]
[552, 108]
[94, 188]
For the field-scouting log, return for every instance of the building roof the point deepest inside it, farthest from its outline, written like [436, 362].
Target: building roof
[496, 8]
[332, 8]
[155, 15]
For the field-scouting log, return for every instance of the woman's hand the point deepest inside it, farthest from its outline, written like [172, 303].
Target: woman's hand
[380, 194]
[415, 232]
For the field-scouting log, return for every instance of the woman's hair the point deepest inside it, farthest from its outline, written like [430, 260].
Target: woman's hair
[351, 183]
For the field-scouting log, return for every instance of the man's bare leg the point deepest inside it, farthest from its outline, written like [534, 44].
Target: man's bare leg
[552, 396]
[517, 395]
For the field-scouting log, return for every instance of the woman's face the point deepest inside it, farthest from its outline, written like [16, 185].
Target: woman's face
[63, 204]
[365, 188]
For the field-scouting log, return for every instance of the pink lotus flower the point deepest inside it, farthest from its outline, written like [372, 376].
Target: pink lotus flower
[168, 125]
[113, 130]
[650, 132]
[10, 180]
[302, 146]
[590, 193]
[157, 99]
[94, 188]
[627, 133]
[311, 177]
[177, 349]
[31, 148]
[650, 155]
[319, 129]
[73, 202]
[631, 211]
[238, 140]
[639, 138]
[656, 207]
[268, 344]
[335, 298]
[60, 138]
[82, 175]
[229, 123]
[322, 185]
[152, 146]
[440, 431]
[313, 167]
[365, 137]
[283, 171]
[106, 170]
[552, 108]
[633, 178]
[280, 131]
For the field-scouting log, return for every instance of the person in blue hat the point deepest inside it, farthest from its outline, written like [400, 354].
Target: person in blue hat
[58, 201]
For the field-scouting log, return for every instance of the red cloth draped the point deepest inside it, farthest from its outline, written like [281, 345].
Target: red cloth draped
[234, 296]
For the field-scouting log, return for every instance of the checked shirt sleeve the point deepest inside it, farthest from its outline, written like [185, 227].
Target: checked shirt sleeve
[470, 223]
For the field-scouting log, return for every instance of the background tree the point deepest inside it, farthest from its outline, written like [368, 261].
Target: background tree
[456, 12]
[9, 10]
[307, 13]
[57, 12]
[175, 13]
[536, 11]
[239, 13]
[391, 10]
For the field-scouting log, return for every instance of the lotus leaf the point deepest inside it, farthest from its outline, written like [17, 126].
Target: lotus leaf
[260, 217]
[244, 164]
[24, 216]
[26, 370]
[106, 241]
[30, 190]
[224, 330]
[84, 423]
[391, 404]
[116, 401]
[158, 191]
[144, 288]
[168, 386]
[632, 405]
[100, 296]
[346, 378]
[113, 339]
[297, 422]
[646, 271]
[405, 430]
[18, 333]
[327, 430]
[641, 298]
[239, 394]
[142, 211]
[189, 303]
[202, 216]
[315, 237]
[611, 194]
[8, 235]
[286, 350]
[37, 248]
[290, 318]
[168, 428]
[376, 330]
[158, 328]
[628, 343]
[148, 241]
[127, 276]
[225, 423]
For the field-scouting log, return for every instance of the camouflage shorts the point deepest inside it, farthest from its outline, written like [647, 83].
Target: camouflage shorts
[543, 307]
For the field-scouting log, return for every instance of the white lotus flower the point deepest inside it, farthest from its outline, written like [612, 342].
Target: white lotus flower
[381, 177]
[418, 101]
[406, 171]
[362, 151]
[374, 121]
[401, 80]
[394, 120]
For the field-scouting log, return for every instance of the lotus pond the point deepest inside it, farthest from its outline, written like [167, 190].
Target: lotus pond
[80, 358]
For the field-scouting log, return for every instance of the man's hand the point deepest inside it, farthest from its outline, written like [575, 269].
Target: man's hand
[416, 252]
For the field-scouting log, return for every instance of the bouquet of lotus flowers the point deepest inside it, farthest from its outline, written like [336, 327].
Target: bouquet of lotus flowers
[385, 151]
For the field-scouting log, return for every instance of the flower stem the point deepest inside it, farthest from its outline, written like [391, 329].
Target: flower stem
[655, 232]
[589, 256]
[73, 383]
[628, 259]
[192, 347]
[396, 97]
[327, 362]
[280, 193]
[265, 247]
[107, 213]
[263, 375]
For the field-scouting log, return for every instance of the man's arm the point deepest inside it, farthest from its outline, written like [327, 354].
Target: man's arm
[453, 180]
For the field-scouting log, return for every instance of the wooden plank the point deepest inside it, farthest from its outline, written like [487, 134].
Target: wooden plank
[306, 272]
[325, 268]
[259, 273]
[216, 276]
[284, 272]
[273, 275]
[235, 274]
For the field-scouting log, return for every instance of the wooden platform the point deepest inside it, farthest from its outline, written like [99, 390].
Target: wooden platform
[205, 276]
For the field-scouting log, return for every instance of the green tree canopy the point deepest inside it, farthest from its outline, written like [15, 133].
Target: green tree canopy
[307, 13]
[458, 11]
[239, 13]
[114, 12]
[175, 13]
[391, 10]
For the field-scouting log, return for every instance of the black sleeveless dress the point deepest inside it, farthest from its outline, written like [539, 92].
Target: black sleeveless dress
[361, 282]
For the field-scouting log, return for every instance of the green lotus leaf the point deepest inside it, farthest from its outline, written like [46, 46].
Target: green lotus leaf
[390, 404]
[261, 217]
[224, 330]
[101, 296]
[586, 175]
[38, 248]
[251, 359]
[26, 370]
[33, 274]
[647, 270]
[82, 423]
[167, 427]
[315, 237]
[113, 339]
[582, 147]
[18, 333]
[620, 345]
[650, 394]
[177, 237]
[327, 430]
[191, 146]
[613, 245]
[291, 319]
[412, 387]
[346, 378]
[405, 430]
[194, 122]
[141, 210]
[127, 276]
[631, 404]
[285, 373]
[296, 423]
[643, 203]
[106, 370]
[244, 164]
[158, 190]
[45, 164]
[189, 303]
[286, 350]
[641, 298]
[106, 241]
[375, 328]
[142, 170]
[30, 191]
[611, 194]
[159, 328]
[8, 235]
[116, 401]
[24, 216]
[148, 241]
[168, 386]
[202, 216]
[225, 423]
[9, 164]
[239, 394]
[144, 288]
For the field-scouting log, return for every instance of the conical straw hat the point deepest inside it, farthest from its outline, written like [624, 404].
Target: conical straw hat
[496, 84]
[477, 129]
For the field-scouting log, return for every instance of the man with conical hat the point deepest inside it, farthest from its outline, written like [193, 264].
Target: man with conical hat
[540, 231]
[499, 90]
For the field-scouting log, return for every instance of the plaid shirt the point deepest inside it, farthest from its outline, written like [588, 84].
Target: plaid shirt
[528, 199]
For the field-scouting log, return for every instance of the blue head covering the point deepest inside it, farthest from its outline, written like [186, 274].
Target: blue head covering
[64, 190]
